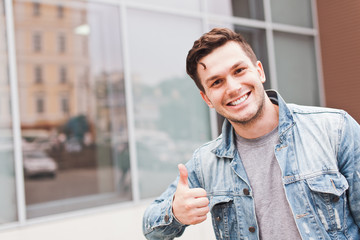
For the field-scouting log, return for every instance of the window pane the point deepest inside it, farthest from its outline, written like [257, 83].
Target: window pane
[38, 74]
[60, 11]
[296, 68]
[253, 9]
[62, 74]
[257, 39]
[8, 212]
[177, 4]
[171, 119]
[293, 12]
[36, 9]
[61, 43]
[37, 42]
[74, 128]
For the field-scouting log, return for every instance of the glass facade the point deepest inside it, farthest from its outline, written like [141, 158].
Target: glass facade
[105, 108]
[8, 208]
[170, 118]
[296, 68]
[253, 9]
[73, 111]
[293, 12]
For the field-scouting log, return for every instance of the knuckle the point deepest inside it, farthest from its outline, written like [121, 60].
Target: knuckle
[188, 206]
[207, 209]
[194, 221]
[203, 192]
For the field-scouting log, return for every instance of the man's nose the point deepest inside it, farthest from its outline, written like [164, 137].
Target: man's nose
[233, 85]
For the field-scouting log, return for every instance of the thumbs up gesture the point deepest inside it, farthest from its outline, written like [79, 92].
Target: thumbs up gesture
[190, 205]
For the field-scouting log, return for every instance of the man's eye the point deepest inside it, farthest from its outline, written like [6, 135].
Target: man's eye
[237, 71]
[216, 82]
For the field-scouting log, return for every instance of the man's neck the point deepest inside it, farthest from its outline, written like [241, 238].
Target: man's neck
[264, 124]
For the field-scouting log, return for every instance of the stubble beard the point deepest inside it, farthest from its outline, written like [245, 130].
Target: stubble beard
[250, 121]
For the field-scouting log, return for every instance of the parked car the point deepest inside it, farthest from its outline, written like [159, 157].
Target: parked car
[39, 163]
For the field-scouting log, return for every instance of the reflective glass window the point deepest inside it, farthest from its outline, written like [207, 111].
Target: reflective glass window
[61, 42]
[60, 11]
[40, 103]
[8, 211]
[171, 119]
[257, 39]
[253, 9]
[36, 9]
[293, 12]
[37, 43]
[296, 68]
[62, 74]
[38, 74]
[74, 124]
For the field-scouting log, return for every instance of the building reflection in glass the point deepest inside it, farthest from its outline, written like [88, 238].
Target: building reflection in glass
[72, 103]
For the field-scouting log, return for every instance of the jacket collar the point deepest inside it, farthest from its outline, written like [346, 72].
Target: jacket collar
[227, 147]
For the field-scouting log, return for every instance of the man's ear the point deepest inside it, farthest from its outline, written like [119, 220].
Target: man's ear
[206, 99]
[260, 70]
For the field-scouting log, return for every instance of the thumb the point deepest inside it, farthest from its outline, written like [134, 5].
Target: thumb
[183, 175]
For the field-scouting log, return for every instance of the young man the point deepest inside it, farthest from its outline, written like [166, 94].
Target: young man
[277, 171]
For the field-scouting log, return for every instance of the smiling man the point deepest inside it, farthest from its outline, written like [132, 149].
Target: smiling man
[232, 85]
[277, 171]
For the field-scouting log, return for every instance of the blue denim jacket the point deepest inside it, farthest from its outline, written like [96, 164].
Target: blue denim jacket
[319, 155]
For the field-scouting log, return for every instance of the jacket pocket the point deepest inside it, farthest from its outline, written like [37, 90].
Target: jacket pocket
[223, 216]
[328, 194]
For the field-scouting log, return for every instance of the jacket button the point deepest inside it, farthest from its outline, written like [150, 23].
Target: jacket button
[252, 229]
[218, 219]
[246, 191]
[336, 199]
[166, 218]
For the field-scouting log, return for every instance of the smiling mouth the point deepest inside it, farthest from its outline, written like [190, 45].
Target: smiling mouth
[239, 100]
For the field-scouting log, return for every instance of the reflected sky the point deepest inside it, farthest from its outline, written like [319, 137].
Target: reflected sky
[159, 44]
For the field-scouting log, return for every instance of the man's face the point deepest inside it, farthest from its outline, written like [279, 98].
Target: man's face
[232, 84]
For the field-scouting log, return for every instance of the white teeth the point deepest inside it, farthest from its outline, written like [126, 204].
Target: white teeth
[237, 102]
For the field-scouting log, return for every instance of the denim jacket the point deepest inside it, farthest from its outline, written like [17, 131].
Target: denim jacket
[319, 155]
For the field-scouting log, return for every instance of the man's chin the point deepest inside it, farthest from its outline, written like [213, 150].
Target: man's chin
[246, 120]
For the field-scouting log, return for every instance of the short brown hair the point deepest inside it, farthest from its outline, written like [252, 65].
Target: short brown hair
[217, 37]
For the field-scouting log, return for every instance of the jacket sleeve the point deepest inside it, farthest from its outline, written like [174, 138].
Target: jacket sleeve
[158, 220]
[349, 162]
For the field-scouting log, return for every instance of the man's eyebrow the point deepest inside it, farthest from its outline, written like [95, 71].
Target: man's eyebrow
[203, 64]
[236, 65]
[211, 78]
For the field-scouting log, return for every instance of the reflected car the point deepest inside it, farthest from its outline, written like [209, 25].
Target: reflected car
[41, 144]
[39, 163]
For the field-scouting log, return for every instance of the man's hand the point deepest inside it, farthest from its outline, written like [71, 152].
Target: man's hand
[190, 206]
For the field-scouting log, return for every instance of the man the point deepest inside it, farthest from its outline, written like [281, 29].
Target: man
[277, 171]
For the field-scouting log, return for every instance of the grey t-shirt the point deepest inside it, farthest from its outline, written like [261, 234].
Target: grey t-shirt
[273, 213]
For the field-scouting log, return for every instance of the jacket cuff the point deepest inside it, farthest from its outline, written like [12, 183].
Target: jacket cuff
[166, 219]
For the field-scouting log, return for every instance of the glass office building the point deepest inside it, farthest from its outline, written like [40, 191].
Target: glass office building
[96, 108]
